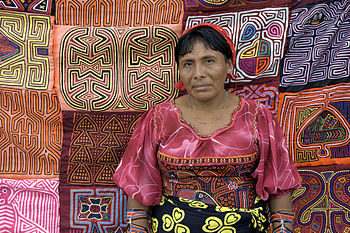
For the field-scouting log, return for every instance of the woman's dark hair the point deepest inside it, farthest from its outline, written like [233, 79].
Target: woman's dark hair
[208, 36]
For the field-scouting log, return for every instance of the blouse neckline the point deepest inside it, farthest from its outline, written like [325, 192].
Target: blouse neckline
[193, 129]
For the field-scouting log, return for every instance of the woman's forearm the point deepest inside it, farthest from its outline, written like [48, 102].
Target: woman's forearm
[282, 203]
[137, 212]
[281, 208]
[132, 204]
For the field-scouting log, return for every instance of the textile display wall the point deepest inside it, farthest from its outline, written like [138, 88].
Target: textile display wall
[76, 75]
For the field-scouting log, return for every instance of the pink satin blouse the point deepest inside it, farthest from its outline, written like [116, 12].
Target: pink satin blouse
[161, 131]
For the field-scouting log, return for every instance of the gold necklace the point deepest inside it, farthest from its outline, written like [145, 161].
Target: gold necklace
[215, 119]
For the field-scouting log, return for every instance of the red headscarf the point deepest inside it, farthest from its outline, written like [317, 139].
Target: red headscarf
[224, 33]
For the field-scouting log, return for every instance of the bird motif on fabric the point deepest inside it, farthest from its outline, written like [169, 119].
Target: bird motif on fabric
[17, 215]
[7, 213]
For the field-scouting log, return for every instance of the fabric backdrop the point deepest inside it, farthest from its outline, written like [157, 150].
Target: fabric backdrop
[76, 75]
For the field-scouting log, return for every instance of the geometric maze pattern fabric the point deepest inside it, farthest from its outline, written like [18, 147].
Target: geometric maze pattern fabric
[318, 46]
[93, 145]
[118, 13]
[25, 51]
[97, 209]
[316, 122]
[264, 91]
[30, 134]
[33, 6]
[115, 68]
[322, 203]
[30, 205]
[259, 37]
[231, 5]
[302, 3]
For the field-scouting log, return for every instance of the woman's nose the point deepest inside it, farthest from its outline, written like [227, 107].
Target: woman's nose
[199, 71]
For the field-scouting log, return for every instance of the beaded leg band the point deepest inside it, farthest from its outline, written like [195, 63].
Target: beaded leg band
[135, 214]
[281, 218]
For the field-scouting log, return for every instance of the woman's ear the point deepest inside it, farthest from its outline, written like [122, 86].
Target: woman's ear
[229, 66]
[180, 85]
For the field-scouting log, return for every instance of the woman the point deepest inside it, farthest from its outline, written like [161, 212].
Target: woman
[208, 161]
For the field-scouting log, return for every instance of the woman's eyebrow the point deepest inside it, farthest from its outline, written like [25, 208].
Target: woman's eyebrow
[208, 56]
[186, 60]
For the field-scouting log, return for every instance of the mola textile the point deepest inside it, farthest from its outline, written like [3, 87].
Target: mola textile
[322, 203]
[25, 51]
[93, 145]
[263, 90]
[31, 134]
[115, 68]
[92, 209]
[301, 3]
[318, 46]
[316, 124]
[232, 5]
[30, 205]
[33, 6]
[117, 13]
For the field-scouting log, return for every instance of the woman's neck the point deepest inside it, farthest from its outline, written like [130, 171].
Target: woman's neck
[211, 105]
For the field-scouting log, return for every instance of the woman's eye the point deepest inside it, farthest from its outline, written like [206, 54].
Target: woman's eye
[187, 64]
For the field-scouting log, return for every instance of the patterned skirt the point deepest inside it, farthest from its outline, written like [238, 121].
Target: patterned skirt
[183, 215]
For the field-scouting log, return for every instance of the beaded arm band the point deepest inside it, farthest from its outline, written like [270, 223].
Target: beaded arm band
[135, 214]
[134, 228]
[281, 217]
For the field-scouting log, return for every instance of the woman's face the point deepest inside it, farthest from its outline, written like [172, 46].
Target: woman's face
[203, 72]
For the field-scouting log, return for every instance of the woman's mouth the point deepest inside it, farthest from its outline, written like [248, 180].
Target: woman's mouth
[201, 87]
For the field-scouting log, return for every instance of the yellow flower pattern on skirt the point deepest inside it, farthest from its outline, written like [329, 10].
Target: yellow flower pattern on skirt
[180, 215]
[214, 224]
[193, 203]
[154, 224]
[258, 218]
[173, 222]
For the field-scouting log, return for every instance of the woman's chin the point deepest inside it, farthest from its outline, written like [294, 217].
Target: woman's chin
[203, 96]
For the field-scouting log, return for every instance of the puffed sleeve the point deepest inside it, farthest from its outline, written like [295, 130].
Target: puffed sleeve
[276, 172]
[137, 173]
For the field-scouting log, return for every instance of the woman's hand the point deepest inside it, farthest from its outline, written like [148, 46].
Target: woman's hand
[281, 216]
